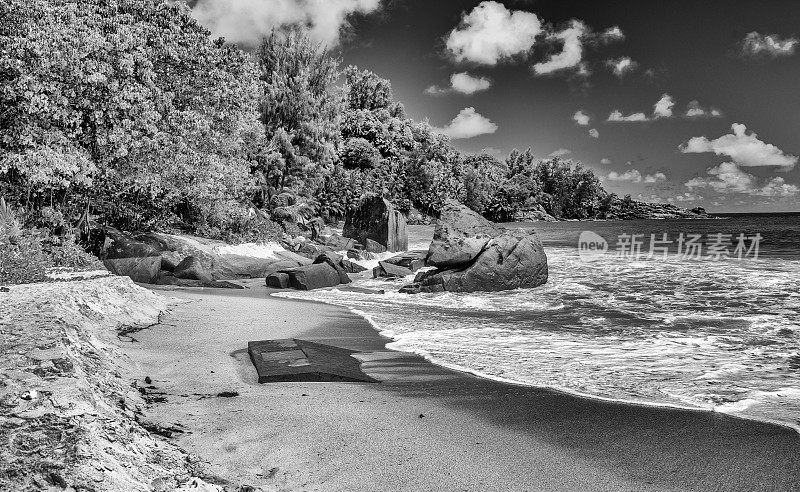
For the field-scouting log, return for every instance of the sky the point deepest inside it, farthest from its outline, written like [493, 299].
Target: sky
[690, 102]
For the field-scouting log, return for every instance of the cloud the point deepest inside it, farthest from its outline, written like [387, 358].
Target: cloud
[571, 53]
[247, 21]
[491, 33]
[581, 118]
[461, 82]
[616, 116]
[694, 110]
[605, 161]
[467, 124]
[663, 108]
[655, 178]
[729, 178]
[594, 133]
[755, 44]
[612, 34]
[622, 66]
[688, 197]
[559, 152]
[745, 150]
[632, 175]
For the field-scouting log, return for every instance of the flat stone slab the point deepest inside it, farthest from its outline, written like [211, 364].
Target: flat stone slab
[295, 360]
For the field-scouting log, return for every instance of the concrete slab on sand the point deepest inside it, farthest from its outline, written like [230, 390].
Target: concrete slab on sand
[295, 360]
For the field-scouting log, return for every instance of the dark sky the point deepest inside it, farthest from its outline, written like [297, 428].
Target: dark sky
[689, 49]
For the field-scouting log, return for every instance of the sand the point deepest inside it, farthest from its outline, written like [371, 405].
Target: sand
[424, 427]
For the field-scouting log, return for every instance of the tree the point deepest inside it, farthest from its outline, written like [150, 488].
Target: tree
[127, 105]
[300, 105]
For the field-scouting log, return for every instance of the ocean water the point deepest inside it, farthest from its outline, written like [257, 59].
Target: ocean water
[721, 334]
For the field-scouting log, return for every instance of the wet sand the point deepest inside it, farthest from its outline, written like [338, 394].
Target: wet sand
[424, 427]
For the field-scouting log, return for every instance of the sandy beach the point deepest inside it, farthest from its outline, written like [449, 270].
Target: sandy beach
[423, 427]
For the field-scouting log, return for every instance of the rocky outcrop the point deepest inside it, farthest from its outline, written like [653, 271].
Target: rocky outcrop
[140, 269]
[472, 254]
[328, 270]
[377, 220]
[401, 265]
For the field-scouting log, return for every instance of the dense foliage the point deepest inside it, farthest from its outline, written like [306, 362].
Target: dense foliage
[128, 113]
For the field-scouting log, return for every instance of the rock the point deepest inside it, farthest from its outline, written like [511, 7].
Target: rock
[120, 245]
[339, 243]
[413, 260]
[315, 276]
[386, 269]
[351, 267]
[472, 254]
[356, 254]
[143, 270]
[191, 269]
[169, 260]
[459, 236]
[334, 261]
[377, 219]
[278, 280]
[374, 246]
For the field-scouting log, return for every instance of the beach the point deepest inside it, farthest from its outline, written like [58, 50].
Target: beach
[423, 427]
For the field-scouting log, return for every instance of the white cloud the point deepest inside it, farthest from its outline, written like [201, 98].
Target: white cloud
[461, 82]
[655, 178]
[745, 150]
[695, 110]
[729, 178]
[612, 34]
[616, 116]
[467, 124]
[777, 187]
[559, 152]
[632, 175]
[688, 197]
[594, 133]
[605, 160]
[755, 44]
[467, 84]
[581, 118]
[663, 108]
[247, 21]
[622, 66]
[491, 33]
[571, 53]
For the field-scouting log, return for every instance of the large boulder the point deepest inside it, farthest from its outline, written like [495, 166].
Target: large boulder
[120, 245]
[334, 261]
[144, 270]
[460, 236]
[314, 276]
[472, 254]
[376, 219]
[191, 269]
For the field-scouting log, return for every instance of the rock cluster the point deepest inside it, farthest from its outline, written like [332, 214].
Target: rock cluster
[472, 254]
[327, 270]
[166, 259]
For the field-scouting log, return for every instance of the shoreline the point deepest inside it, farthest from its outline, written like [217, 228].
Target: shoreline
[349, 434]
[565, 391]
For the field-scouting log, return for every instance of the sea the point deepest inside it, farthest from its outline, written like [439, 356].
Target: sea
[701, 314]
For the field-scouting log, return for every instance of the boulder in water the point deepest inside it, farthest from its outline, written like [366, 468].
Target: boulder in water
[472, 254]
